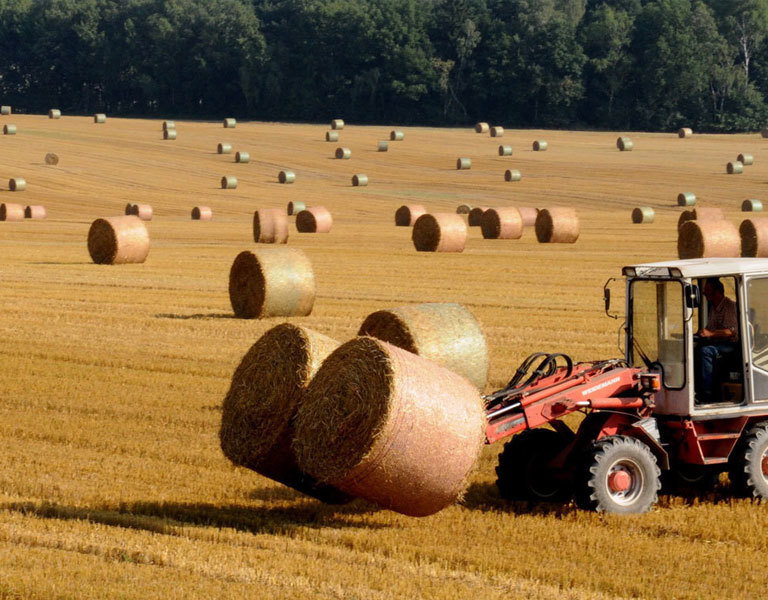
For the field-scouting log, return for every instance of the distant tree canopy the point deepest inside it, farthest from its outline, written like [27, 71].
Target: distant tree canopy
[614, 64]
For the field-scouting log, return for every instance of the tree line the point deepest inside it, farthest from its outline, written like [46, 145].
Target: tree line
[613, 64]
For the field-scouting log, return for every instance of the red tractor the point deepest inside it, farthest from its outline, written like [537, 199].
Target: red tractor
[646, 416]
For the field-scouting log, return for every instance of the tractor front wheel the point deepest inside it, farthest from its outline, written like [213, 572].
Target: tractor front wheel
[748, 466]
[619, 475]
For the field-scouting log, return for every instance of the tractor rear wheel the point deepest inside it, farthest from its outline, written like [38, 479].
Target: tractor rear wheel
[522, 473]
[748, 465]
[619, 475]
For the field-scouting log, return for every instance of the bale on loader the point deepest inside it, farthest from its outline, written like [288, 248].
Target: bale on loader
[557, 226]
[11, 212]
[707, 239]
[475, 215]
[118, 240]
[270, 226]
[406, 215]
[439, 232]
[706, 213]
[315, 219]
[202, 213]
[754, 237]
[502, 224]
[643, 214]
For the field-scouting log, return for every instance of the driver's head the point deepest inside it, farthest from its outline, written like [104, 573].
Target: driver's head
[714, 290]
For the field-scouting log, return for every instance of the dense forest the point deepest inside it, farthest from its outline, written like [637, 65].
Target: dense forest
[617, 64]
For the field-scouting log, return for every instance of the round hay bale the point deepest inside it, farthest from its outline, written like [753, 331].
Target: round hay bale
[54, 113]
[295, 207]
[35, 212]
[406, 215]
[228, 182]
[17, 184]
[502, 224]
[270, 226]
[258, 411]
[528, 214]
[5, 110]
[540, 146]
[512, 175]
[315, 219]
[168, 125]
[51, 159]
[118, 240]
[445, 333]
[413, 430]
[337, 124]
[439, 232]
[360, 180]
[754, 237]
[224, 148]
[734, 168]
[383, 146]
[396, 135]
[751, 206]
[286, 177]
[686, 199]
[624, 144]
[557, 226]
[11, 212]
[242, 157]
[463, 164]
[643, 214]
[497, 131]
[202, 213]
[343, 153]
[143, 211]
[9, 129]
[99, 118]
[505, 150]
[463, 209]
[707, 239]
[700, 214]
[482, 128]
[271, 281]
[169, 134]
[684, 132]
[229, 123]
[331, 136]
[475, 215]
[746, 159]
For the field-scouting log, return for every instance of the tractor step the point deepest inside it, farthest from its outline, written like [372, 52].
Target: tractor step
[706, 437]
[715, 460]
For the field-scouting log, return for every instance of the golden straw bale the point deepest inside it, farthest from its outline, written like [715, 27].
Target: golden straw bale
[684, 132]
[643, 214]
[270, 226]
[118, 240]
[337, 124]
[54, 113]
[315, 219]
[271, 281]
[746, 159]
[99, 118]
[482, 127]
[11, 212]
[475, 215]
[686, 199]
[557, 226]
[751, 206]
[331, 136]
[734, 168]
[169, 134]
[497, 131]
[51, 159]
[707, 239]
[228, 182]
[463, 163]
[439, 232]
[229, 123]
[265, 392]
[35, 212]
[17, 184]
[202, 213]
[9, 129]
[528, 214]
[406, 215]
[502, 224]
[224, 148]
[286, 177]
[700, 214]
[463, 209]
[754, 237]
[396, 135]
[295, 207]
[143, 211]
[391, 427]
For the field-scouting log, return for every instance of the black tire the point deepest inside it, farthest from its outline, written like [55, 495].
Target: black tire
[613, 461]
[748, 465]
[521, 474]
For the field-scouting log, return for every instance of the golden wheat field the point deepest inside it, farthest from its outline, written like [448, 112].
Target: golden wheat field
[112, 482]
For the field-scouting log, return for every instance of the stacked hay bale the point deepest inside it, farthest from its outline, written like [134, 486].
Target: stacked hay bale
[270, 226]
[482, 127]
[331, 136]
[557, 226]
[684, 132]
[229, 123]
[228, 182]
[315, 219]
[754, 237]
[271, 281]
[99, 118]
[396, 135]
[502, 224]
[439, 232]
[475, 215]
[9, 129]
[118, 240]
[643, 214]
[202, 213]
[624, 144]
[296, 207]
[359, 180]
[11, 212]
[700, 214]
[751, 206]
[224, 148]
[540, 146]
[406, 215]
[686, 199]
[17, 184]
[463, 164]
[35, 212]
[707, 239]
[286, 177]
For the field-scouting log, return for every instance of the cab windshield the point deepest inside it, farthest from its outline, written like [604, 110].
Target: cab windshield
[657, 326]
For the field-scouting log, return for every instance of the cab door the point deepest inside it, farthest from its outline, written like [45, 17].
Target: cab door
[757, 336]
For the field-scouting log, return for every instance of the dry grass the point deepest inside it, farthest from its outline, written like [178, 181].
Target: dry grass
[113, 482]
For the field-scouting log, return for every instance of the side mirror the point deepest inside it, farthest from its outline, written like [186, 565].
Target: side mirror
[692, 295]
[607, 298]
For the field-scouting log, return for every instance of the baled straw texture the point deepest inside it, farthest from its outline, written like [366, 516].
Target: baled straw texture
[337, 124]
[54, 113]
[168, 125]
[224, 148]
[295, 207]
[265, 392]
[445, 333]
[624, 144]
[700, 214]
[754, 237]
[99, 118]
[228, 182]
[463, 163]
[734, 168]
[439, 232]
[169, 134]
[343, 153]
[686, 199]
[270, 226]
[143, 211]
[229, 123]
[512, 175]
[315, 219]
[707, 239]
[557, 226]
[475, 215]
[35, 212]
[51, 159]
[383, 146]
[463, 209]
[286, 177]
[406, 215]
[11, 212]
[396, 135]
[482, 127]
[242, 157]
[528, 214]
[746, 159]
[685, 132]
[331, 136]
[497, 131]
[202, 213]
[271, 281]
[17, 184]
[505, 150]
[540, 146]
[118, 240]
[751, 206]
[5, 110]
[643, 214]
[360, 180]
[502, 224]
[9, 129]
[391, 427]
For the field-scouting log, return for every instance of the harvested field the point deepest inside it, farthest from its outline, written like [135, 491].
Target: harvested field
[113, 480]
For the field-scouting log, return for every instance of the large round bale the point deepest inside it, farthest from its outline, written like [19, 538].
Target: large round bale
[540, 146]
[331, 136]
[359, 180]
[686, 199]
[242, 157]
[413, 430]
[271, 281]
[258, 411]
[51, 159]
[501, 224]
[557, 226]
[445, 333]
[439, 232]
[482, 127]
[228, 182]
[734, 168]
[118, 240]
[168, 125]
[270, 226]
[624, 144]
[11, 212]
[54, 113]
[5, 110]
[505, 150]
[169, 134]
[229, 123]
[9, 129]
[746, 159]
[383, 146]
[463, 164]
[512, 175]
[754, 237]
[707, 239]
[17, 184]
[337, 124]
[35, 212]
[315, 219]
[707, 213]
[396, 135]
[475, 215]
[463, 209]
[286, 177]
[684, 132]
[224, 148]
[295, 207]
[497, 131]
[343, 153]
[99, 118]
[751, 206]
[528, 214]
[643, 214]
[406, 215]
[202, 213]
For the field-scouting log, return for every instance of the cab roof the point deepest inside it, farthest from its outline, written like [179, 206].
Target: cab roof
[701, 267]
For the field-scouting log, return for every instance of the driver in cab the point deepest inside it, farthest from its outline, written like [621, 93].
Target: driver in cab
[718, 338]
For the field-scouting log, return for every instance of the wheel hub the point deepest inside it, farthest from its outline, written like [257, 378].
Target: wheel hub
[619, 481]
[625, 481]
